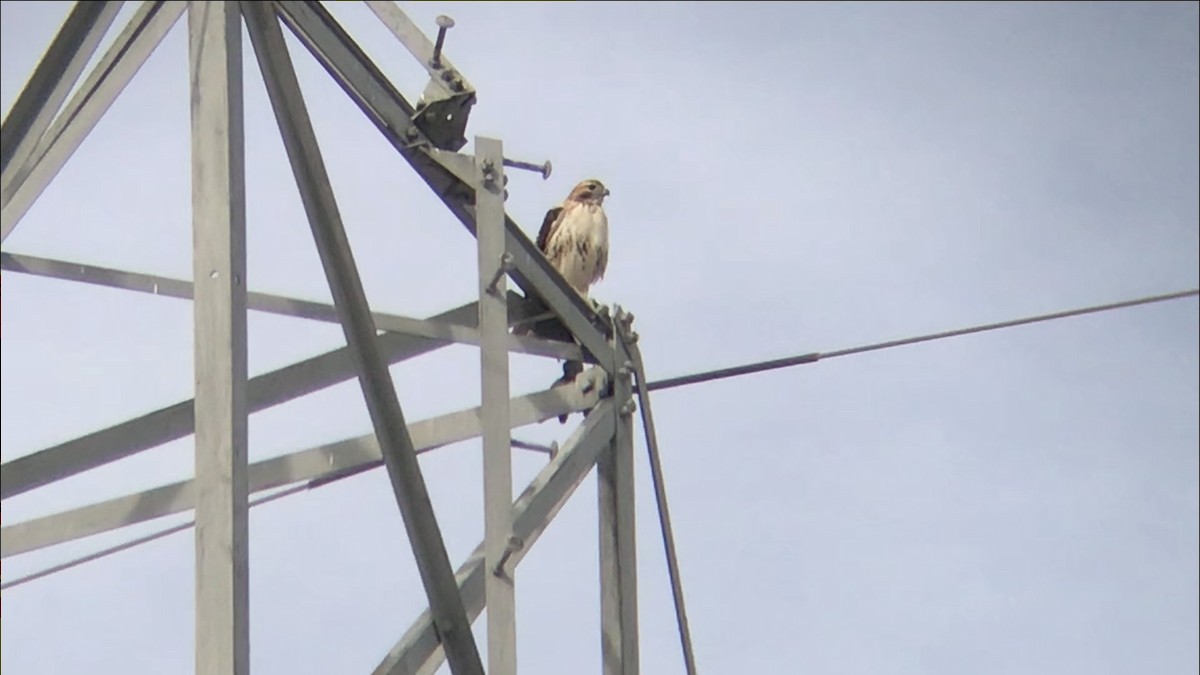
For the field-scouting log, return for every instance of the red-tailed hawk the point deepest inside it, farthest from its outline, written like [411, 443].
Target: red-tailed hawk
[574, 238]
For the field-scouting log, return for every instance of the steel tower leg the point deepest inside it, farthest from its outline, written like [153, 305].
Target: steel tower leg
[219, 260]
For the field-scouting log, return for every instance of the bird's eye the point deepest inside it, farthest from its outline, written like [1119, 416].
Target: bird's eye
[592, 186]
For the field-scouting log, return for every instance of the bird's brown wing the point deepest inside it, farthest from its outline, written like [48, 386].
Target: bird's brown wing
[549, 223]
[543, 328]
[601, 263]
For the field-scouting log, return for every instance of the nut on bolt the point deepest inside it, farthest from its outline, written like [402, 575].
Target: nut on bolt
[488, 169]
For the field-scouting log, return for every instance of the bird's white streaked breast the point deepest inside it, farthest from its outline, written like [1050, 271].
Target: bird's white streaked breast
[584, 224]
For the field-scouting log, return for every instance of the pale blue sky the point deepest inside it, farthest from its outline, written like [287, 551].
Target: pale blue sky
[786, 178]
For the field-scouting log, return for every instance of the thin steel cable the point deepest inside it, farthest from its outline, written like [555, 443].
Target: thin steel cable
[813, 357]
[664, 515]
[667, 383]
[153, 536]
[165, 532]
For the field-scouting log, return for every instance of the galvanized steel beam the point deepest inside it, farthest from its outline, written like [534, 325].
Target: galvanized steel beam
[219, 264]
[284, 306]
[399, 455]
[618, 541]
[106, 81]
[493, 367]
[177, 421]
[316, 463]
[52, 79]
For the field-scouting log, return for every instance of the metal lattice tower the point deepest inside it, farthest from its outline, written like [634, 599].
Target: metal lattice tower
[40, 134]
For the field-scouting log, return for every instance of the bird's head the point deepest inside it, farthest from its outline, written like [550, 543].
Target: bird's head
[590, 191]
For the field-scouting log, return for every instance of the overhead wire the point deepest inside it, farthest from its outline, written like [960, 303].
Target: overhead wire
[657, 385]
[813, 357]
[138, 541]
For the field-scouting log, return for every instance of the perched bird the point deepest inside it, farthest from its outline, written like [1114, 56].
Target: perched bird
[574, 238]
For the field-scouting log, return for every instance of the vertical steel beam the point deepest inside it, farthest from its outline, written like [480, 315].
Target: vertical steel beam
[52, 80]
[219, 264]
[396, 445]
[618, 558]
[497, 448]
[115, 70]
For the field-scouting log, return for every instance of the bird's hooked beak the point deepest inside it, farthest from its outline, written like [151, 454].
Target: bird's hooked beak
[606, 192]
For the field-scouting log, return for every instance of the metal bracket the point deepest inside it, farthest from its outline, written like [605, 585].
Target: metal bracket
[446, 103]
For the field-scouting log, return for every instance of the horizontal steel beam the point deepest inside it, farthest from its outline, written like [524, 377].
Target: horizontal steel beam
[281, 305]
[419, 650]
[328, 460]
[177, 421]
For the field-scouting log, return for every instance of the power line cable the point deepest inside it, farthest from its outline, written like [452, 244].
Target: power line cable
[667, 383]
[813, 357]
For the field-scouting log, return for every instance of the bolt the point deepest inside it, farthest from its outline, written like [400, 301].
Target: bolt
[506, 266]
[629, 408]
[633, 336]
[444, 24]
[488, 169]
[543, 169]
[514, 544]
